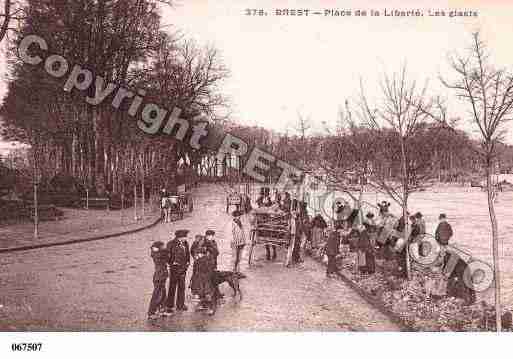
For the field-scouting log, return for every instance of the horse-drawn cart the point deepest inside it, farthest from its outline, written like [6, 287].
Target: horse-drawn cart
[270, 226]
[175, 206]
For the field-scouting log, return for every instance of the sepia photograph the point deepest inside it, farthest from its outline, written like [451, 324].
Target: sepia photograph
[253, 167]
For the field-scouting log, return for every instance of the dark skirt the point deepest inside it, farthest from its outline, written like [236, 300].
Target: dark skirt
[201, 280]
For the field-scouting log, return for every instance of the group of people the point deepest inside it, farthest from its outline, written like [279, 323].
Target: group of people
[370, 236]
[378, 236]
[173, 259]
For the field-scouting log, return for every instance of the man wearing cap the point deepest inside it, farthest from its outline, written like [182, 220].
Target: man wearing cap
[178, 263]
[332, 250]
[160, 258]
[421, 223]
[443, 232]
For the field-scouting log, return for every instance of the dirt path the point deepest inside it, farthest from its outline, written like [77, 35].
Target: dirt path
[106, 285]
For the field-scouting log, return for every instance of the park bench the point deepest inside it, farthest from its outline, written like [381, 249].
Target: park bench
[45, 212]
[96, 202]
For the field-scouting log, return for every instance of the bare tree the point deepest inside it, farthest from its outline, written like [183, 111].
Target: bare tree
[488, 92]
[348, 155]
[303, 125]
[10, 11]
[401, 115]
[6, 15]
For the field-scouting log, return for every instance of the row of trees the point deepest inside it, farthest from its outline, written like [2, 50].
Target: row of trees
[122, 42]
[402, 141]
[399, 142]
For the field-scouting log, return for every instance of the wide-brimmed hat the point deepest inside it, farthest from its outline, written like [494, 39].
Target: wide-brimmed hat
[209, 232]
[181, 233]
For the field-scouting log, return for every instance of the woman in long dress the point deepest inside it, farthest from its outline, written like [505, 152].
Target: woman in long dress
[203, 271]
[197, 247]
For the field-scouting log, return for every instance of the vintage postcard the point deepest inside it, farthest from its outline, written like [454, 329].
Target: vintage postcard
[255, 166]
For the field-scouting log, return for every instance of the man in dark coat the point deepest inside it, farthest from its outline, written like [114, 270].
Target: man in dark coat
[332, 250]
[179, 258]
[160, 257]
[456, 285]
[444, 231]
[366, 249]
[286, 203]
[421, 223]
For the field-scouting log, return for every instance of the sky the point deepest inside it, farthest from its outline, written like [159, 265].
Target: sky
[284, 65]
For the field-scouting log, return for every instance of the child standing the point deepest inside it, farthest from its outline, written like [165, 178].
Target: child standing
[160, 257]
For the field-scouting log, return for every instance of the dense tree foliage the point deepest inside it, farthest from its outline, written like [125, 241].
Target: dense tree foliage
[120, 41]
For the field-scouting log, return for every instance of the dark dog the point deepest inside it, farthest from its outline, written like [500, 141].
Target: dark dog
[232, 278]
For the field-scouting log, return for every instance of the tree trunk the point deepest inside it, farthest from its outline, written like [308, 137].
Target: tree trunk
[135, 201]
[495, 245]
[7, 19]
[405, 236]
[74, 155]
[405, 180]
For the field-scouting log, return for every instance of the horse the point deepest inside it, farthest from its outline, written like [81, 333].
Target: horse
[166, 208]
[167, 205]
